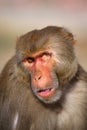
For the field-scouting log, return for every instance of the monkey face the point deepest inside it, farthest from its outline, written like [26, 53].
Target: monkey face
[44, 81]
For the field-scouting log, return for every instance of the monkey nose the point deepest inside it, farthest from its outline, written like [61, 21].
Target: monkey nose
[37, 78]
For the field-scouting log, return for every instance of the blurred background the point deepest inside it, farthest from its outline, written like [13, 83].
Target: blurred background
[20, 16]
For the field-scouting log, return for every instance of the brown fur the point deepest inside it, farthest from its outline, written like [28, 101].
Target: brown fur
[20, 109]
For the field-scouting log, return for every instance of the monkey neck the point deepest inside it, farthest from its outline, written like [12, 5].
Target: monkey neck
[78, 76]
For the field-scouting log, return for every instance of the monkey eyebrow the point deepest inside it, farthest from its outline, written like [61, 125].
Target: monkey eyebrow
[44, 53]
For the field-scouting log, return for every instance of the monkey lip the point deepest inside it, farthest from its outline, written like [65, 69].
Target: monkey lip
[46, 92]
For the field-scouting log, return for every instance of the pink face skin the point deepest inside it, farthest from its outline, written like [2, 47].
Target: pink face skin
[40, 65]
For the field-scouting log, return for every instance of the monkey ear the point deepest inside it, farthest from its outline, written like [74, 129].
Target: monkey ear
[69, 36]
[74, 40]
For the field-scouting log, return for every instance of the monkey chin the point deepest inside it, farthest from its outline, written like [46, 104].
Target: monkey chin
[48, 95]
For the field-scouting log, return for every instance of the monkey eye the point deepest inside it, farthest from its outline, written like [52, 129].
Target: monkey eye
[30, 60]
[46, 56]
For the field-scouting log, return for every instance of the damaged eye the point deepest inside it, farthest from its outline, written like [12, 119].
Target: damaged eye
[46, 56]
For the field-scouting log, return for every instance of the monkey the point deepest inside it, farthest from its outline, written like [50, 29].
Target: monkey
[43, 86]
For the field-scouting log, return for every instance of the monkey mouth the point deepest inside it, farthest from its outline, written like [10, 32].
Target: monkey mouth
[47, 92]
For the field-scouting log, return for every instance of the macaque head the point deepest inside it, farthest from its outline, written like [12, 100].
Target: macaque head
[48, 58]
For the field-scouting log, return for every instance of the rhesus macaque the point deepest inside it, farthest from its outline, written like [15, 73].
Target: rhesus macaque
[43, 87]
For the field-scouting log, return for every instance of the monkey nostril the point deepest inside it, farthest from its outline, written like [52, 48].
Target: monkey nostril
[37, 78]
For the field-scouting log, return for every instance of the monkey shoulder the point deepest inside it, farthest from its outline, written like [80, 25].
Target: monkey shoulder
[7, 70]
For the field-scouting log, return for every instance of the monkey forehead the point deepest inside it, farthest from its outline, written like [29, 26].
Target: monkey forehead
[42, 39]
[29, 46]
